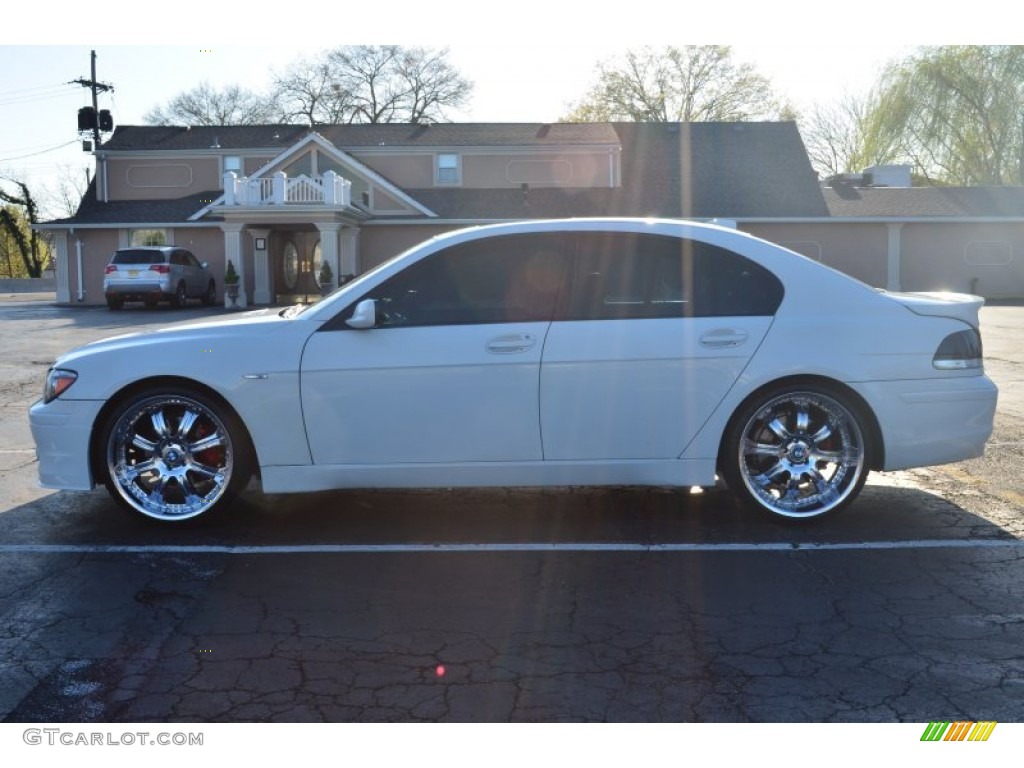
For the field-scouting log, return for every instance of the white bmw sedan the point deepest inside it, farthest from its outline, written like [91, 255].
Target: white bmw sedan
[577, 352]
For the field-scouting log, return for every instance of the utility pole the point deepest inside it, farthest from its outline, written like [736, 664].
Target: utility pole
[96, 87]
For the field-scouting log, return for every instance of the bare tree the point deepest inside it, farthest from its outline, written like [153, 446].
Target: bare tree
[205, 105]
[309, 91]
[692, 83]
[372, 84]
[848, 137]
[64, 196]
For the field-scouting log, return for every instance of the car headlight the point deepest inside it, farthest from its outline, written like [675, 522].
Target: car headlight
[57, 382]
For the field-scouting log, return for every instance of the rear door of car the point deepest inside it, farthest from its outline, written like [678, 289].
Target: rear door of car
[450, 373]
[655, 331]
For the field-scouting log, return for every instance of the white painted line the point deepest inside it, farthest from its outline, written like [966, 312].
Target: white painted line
[612, 547]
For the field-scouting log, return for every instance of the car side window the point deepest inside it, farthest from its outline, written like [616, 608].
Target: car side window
[727, 284]
[639, 276]
[621, 275]
[494, 280]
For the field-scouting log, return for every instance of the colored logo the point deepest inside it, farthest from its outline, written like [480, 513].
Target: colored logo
[960, 730]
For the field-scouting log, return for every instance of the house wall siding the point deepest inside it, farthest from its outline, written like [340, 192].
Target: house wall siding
[859, 250]
[145, 179]
[987, 259]
[378, 244]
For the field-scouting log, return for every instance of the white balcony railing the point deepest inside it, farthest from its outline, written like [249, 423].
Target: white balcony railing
[329, 190]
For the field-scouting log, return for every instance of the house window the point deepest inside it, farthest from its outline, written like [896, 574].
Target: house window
[448, 171]
[148, 237]
[233, 163]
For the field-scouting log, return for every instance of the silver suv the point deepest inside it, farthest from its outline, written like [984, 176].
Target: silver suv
[151, 273]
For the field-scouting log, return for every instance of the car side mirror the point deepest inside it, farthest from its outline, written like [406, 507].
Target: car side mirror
[204, 264]
[364, 316]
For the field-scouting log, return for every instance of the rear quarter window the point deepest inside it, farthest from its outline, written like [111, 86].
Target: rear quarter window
[138, 257]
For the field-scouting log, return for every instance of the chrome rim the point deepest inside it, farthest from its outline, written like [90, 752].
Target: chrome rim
[170, 457]
[802, 454]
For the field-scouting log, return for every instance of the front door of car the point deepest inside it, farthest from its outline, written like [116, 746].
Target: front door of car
[656, 330]
[450, 372]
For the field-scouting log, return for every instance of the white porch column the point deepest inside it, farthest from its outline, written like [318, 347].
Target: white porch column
[62, 267]
[349, 252]
[280, 180]
[233, 253]
[230, 187]
[329, 246]
[893, 277]
[261, 266]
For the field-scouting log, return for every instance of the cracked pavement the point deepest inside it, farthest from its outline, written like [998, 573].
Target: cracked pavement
[166, 633]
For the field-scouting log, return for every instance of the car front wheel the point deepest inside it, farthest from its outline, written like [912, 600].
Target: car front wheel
[210, 297]
[174, 455]
[797, 453]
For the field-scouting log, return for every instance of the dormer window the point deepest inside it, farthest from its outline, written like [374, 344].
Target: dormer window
[448, 169]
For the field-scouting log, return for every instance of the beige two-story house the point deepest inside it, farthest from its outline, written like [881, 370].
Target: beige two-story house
[279, 200]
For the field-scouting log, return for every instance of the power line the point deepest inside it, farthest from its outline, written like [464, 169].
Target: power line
[35, 88]
[43, 152]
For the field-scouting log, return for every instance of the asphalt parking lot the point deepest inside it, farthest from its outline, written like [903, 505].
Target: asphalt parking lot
[557, 605]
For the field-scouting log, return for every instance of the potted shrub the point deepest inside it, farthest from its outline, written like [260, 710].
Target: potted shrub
[231, 281]
[326, 278]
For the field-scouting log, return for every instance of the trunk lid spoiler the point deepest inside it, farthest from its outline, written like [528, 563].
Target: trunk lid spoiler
[962, 306]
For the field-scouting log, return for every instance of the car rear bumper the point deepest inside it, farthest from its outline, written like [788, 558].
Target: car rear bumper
[62, 430]
[932, 421]
[136, 289]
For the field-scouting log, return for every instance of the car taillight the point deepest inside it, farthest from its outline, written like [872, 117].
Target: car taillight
[163, 269]
[111, 269]
[959, 351]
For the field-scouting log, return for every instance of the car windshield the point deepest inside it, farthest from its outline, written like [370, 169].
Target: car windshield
[138, 257]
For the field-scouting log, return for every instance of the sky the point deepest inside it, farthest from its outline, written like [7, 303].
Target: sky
[526, 67]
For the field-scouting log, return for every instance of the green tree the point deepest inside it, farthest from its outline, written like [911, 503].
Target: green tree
[206, 105]
[691, 83]
[18, 219]
[959, 112]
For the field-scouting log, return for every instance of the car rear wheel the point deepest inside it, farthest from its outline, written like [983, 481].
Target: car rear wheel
[180, 296]
[114, 303]
[174, 455]
[797, 452]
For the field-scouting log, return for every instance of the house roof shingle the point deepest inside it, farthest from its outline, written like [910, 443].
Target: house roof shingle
[923, 202]
[134, 138]
[687, 170]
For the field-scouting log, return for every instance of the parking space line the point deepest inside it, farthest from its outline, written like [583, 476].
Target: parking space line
[468, 548]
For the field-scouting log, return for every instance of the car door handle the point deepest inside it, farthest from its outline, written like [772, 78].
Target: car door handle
[510, 345]
[723, 337]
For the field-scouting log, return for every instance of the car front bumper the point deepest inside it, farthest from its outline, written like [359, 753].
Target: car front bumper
[932, 421]
[62, 431]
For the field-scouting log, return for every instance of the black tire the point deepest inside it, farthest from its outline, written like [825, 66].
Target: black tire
[797, 452]
[173, 454]
[114, 303]
[180, 299]
[210, 297]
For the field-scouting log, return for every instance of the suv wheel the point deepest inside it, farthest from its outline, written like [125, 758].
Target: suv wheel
[180, 296]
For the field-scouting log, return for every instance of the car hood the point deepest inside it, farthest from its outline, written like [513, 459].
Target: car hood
[961, 306]
[248, 324]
